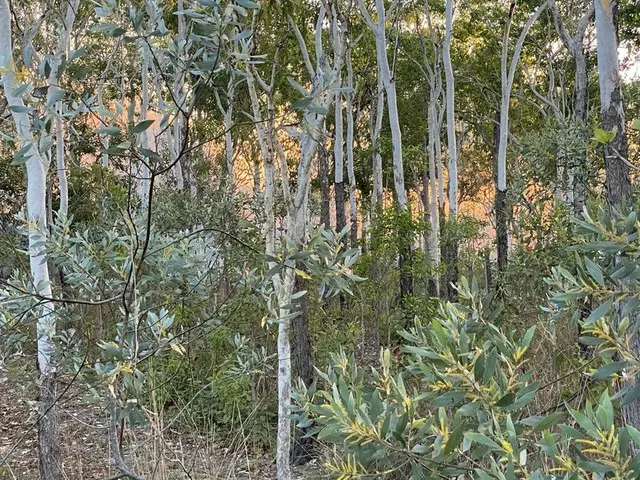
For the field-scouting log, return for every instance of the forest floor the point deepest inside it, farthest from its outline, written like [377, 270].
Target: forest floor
[84, 443]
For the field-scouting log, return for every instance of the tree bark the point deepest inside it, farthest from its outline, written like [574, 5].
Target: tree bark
[618, 183]
[353, 206]
[302, 364]
[450, 249]
[389, 84]
[377, 198]
[36, 165]
[508, 73]
[575, 45]
[338, 158]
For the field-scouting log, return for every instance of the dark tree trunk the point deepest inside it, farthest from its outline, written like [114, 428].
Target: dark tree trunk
[341, 216]
[405, 264]
[302, 365]
[354, 230]
[618, 182]
[450, 277]
[323, 174]
[501, 229]
[581, 112]
[48, 438]
[488, 274]
[370, 324]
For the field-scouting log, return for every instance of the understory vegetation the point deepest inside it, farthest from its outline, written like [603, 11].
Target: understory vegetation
[348, 239]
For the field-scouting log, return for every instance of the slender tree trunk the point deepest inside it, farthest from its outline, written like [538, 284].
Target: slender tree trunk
[227, 115]
[370, 325]
[388, 82]
[577, 172]
[450, 249]
[434, 221]
[377, 198]
[49, 450]
[353, 206]
[338, 158]
[302, 363]
[143, 172]
[325, 192]
[507, 78]
[54, 87]
[178, 93]
[618, 182]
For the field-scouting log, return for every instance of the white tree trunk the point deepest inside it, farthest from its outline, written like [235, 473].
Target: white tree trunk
[508, 76]
[377, 157]
[434, 134]
[143, 172]
[227, 115]
[36, 167]
[379, 30]
[54, 87]
[353, 207]
[451, 116]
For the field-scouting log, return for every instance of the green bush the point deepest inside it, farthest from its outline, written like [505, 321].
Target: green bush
[459, 404]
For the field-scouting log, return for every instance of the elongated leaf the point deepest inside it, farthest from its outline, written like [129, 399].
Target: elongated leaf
[20, 109]
[608, 370]
[142, 126]
[594, 271]
[599, 312]
[55, 97]
[583, 421]
[482, 439]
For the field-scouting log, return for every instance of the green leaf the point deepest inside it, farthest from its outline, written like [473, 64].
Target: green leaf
[507, 400]
[594, 271]
[631, 395]
[490, 366]
[526, 340]
[583, 421]
[599, 312]
[107, 131]
[302, 104]
[142, 126]
[608, 370]
[55, 97]
[604, 414]
[540, 424]
[20, 109]
[636, 124]
[595, 467]
[634, 434]
[247, 4]
[482, 439]
[454, 439]
[117, 32]
[602, 136]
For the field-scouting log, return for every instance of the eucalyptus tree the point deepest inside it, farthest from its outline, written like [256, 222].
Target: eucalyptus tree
[379, 30]
[616, 149]
[450, 249]
[508, 71]
[314, 107]
[33, 152]
[618, 183]
[576, 46]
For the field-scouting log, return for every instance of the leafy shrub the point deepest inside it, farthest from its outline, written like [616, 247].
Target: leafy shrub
[458, 404]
